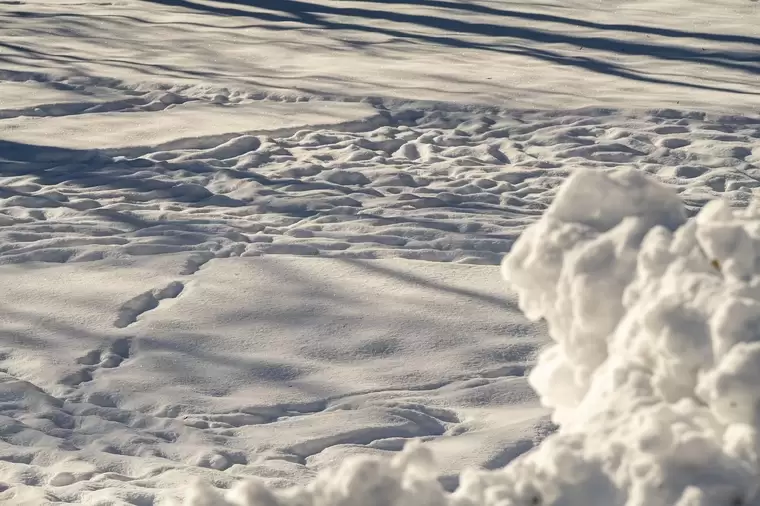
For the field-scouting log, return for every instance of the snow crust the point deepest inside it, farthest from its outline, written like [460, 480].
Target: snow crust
[652, 375]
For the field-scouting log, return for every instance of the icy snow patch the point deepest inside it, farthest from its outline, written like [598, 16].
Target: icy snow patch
[653, 374]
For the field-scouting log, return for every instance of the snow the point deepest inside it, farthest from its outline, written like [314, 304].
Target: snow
[262, 241]
[189, 124]
[29, 96]
[643, 53]
[652, 376]
[270, 366]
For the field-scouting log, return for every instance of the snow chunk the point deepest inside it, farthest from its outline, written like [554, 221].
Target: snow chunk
[602, 200]
[573, 266]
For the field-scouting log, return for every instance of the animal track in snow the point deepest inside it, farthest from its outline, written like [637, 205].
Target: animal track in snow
[454, 186]
[195, 262]
[131, 310]
[93, 360]
[118, 351]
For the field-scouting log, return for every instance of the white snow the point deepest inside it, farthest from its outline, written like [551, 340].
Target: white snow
[137, 372]
[189, 124]
[652, 376]
[256, 240]
[570, 53]
[29, 97]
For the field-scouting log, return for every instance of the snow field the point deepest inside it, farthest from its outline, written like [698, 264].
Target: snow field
[652, 375]
[122, 379]
[389, 180]
[160, 400]
[693, 54]
[258, 245]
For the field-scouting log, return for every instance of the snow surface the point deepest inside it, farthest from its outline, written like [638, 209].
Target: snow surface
[17, 97]
[253, 239]
[503, 53]
[138, 372]
[189, 124]
[653, 373]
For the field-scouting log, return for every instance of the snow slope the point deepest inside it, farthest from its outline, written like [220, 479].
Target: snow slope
[251, 239]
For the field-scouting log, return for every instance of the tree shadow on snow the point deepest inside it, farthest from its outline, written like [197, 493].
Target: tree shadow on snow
[505, 38]
[98, 169]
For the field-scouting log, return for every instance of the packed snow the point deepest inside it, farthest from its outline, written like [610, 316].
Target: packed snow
[379, 252]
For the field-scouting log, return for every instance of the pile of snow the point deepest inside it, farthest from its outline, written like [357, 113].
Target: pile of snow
[653, 375]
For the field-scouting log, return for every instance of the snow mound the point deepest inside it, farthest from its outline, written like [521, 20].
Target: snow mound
[652, 373]
[652, 376]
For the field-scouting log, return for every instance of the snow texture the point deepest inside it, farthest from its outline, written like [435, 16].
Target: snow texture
[652, 375]
[256, 239]
[136, 374]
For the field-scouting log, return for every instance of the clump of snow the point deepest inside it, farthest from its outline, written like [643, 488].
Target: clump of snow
[654, 318]
[653, 374]
[406, 479]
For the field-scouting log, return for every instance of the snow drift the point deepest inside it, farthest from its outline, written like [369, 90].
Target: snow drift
[653, 374]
